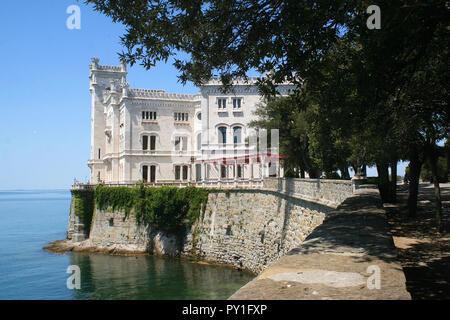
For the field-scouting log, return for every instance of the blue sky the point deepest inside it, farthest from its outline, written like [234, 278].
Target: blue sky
[44, 96]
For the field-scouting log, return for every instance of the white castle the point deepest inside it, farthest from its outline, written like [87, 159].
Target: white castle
[163, 138]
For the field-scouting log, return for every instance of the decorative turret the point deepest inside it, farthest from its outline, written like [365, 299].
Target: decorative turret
[104, 81]
[125, 88]
[123, 66]
[103, 75]
[94, 64]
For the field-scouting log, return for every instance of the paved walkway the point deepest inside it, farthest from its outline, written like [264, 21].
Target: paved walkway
[339, 260]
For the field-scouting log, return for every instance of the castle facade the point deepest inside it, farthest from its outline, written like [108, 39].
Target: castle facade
[160, 137]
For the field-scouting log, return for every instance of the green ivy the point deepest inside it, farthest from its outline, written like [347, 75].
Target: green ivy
[115, 198]
[84, 206]
[166, 208]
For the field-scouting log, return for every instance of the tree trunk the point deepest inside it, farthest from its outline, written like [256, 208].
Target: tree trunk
[447, 168]
[393, 166]
[302, 173]
[354, 168]
[437, 190]
[415, 166]
[383, 184]
[345, 173]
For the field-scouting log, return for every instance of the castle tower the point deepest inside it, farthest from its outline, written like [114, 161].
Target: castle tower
[101, 78]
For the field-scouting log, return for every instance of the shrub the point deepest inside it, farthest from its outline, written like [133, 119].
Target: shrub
[373, 180]
[289, 173]
[426, 174]
[333, 175]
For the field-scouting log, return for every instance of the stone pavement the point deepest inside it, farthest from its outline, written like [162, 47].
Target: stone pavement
[350, 256]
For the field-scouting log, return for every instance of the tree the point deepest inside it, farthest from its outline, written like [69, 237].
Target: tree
[389, 88]
[405, 62]
[289, 116]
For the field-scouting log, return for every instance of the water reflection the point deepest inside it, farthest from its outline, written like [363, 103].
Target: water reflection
[148, 277]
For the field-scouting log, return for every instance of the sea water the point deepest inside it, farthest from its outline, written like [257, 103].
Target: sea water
[30, 220]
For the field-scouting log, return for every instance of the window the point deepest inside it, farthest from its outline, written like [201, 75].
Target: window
[222, 103]
[180, 143]
[222, 135]
[177, 172]
[185, 172]
[198, 172]
[148, 115]
[181, 116]
[223, 172]
[99, 153]
[199, 141]
[145, 173]
[237, 103]
[152, 173]
[145, 142]
[239, 171]
[237, 133]
[152, 142]
[199, 116]
[181, 170]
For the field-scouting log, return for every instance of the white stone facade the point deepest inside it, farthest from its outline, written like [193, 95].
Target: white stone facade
[151, 135]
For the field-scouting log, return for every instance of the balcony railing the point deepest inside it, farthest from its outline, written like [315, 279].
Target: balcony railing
[225, 184]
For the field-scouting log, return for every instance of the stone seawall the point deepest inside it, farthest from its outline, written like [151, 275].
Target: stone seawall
[244, 229]
[76, 230]
[351, 255]
[328, 192]
[249, 229]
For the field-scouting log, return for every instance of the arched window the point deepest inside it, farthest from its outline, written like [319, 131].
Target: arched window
[223, 135]
[181, 143]
[237, 134]
[199, 141]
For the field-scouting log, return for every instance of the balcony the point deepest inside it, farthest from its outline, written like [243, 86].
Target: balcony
[181, 123]
[143, 122]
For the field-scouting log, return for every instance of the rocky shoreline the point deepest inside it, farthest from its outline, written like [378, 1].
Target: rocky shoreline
[66, 245]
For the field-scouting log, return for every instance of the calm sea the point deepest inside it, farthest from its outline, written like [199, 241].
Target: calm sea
[31, 219]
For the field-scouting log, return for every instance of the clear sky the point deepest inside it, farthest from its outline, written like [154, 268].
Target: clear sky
[44, 95]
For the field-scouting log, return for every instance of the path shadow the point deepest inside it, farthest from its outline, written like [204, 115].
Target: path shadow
[357, 228]
[425, 254]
